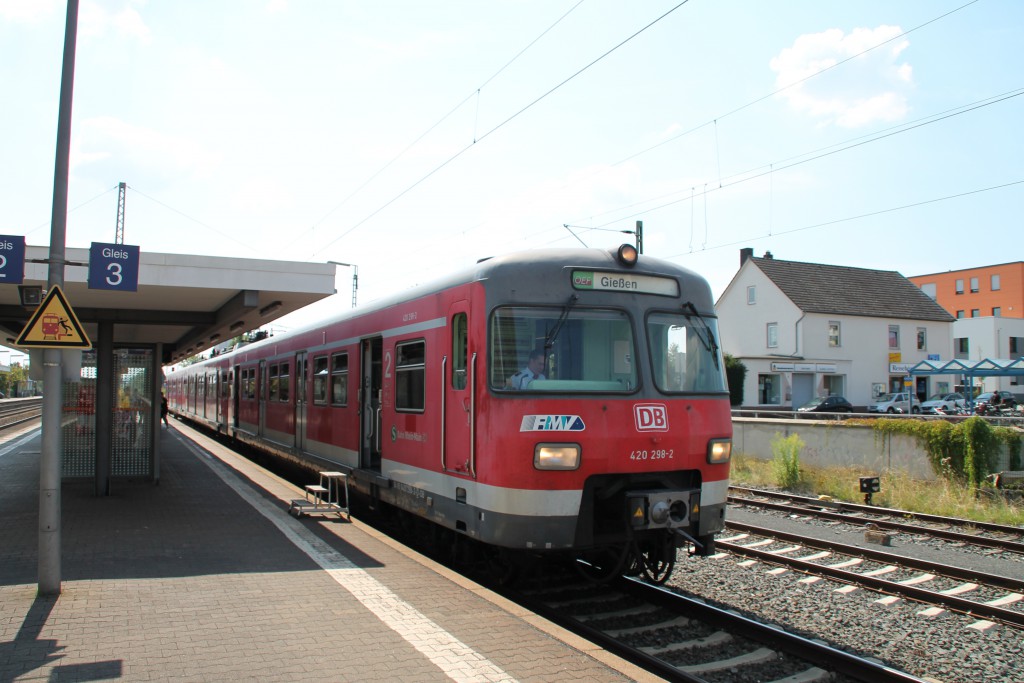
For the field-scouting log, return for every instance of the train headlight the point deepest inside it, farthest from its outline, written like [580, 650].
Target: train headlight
[556, 456]
[627, 255]
[719, 451]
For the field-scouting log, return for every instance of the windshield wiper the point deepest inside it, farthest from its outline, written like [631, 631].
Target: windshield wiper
[549, 341]
[708, 337]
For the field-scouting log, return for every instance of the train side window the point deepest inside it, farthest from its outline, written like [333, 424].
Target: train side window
[339, 379]
[284, 381]
[460, 346]
[275, 383]
[320, 376]
[410, 376]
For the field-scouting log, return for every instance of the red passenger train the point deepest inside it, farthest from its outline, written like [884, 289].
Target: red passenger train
[556, 401]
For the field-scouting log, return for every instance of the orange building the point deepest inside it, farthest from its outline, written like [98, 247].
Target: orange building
[996, 291]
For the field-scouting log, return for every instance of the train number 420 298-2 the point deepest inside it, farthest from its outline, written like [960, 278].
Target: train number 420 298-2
[656, 454]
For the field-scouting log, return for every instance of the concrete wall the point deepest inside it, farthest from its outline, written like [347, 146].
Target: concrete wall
[831, 444]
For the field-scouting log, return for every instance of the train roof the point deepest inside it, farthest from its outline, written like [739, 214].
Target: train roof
[517, 273]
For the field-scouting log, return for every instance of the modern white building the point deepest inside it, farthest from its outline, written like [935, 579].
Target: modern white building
[806, 329]
[975, 339]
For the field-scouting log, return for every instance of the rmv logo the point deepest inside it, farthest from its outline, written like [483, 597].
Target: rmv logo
[651, 417]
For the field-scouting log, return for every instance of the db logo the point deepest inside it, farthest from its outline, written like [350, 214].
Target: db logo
[650, 417]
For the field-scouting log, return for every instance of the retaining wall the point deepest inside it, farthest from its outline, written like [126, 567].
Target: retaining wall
[830, 444]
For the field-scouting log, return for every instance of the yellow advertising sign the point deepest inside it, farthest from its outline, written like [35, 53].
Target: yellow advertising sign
[895, 357]
[54, 325]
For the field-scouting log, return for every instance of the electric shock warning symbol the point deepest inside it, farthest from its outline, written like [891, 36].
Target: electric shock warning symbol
[54, 325]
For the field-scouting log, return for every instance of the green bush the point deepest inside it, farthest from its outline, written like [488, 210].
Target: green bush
[786, 460]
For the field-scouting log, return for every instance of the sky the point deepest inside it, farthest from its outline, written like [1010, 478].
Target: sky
[413, 138]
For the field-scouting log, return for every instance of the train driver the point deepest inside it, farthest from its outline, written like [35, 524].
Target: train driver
[534, 370]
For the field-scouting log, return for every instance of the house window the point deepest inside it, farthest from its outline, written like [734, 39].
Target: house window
[961, 347]
[410, 376]
[922, 339]
[997, 312]
[974, 285]
[751, 295]
[959, 286]
[835, 385]
[1016, 346]
[894, 336]
[995, 283]
[773, 335]
[975, 312]
[339, 379]
[833, 334]
[929, 289]
[960, 314]
[769, 389]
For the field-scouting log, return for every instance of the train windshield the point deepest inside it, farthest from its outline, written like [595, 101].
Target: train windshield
[561, 349]
[685, 355]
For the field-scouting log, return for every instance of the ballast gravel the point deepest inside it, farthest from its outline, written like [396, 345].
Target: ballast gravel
[949, 647]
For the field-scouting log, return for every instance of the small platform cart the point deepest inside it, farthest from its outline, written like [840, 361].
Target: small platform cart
[323, 498]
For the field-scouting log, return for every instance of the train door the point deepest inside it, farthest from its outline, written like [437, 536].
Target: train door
[300, 400]
[234, 378]
[371, 385]
[457, 408]
[261, 383]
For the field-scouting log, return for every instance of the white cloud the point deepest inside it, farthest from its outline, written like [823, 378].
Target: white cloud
[870, 87]
[23, 11]
[95, 21]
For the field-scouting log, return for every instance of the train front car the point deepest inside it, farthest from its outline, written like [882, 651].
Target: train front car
[608, 426]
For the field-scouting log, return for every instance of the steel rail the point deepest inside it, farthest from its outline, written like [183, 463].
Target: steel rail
[808, 650]
[1009, 583]
[951, 602]
[890, 512]
[984, 541]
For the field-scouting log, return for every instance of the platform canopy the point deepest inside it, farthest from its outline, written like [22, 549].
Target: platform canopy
[185, 302]
[987, 367]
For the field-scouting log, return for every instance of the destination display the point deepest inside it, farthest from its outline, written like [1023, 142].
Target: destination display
[624, 282]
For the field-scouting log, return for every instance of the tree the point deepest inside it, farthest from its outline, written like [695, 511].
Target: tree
[735, 375]
[9, 380]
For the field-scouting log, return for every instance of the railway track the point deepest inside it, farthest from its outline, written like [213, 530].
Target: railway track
[15, 412]
[684, 639]
[969, 532]
[940, 585]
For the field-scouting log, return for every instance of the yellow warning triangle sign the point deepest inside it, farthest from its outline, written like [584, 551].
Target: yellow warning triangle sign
[54, 325]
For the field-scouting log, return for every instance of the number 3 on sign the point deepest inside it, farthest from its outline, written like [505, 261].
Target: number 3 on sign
[115, 278]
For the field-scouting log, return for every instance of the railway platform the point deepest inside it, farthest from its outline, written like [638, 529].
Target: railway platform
[206, 577]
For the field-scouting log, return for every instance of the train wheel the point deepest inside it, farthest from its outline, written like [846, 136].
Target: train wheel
[657, 560]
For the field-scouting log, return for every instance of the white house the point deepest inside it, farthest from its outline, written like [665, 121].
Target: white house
[806, 329]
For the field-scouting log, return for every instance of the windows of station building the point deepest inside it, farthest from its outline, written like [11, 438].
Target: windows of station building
[930, 290]
[834, 385]
[834, 339]
[997, 312]
[922, 339]
[410, 376]
[959, 286]
[769, 389]
[961, 347]
[994, 282]
[960, 313]
[321, 376]
[975, 312]
[894, 336]
[772, 335]
[339, 379]
[975, 287]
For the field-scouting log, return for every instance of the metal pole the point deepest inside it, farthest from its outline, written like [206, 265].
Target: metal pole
[50, 456]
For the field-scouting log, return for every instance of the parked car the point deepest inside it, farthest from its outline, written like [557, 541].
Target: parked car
[948, 402]
[826, 404]
[898, 402]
